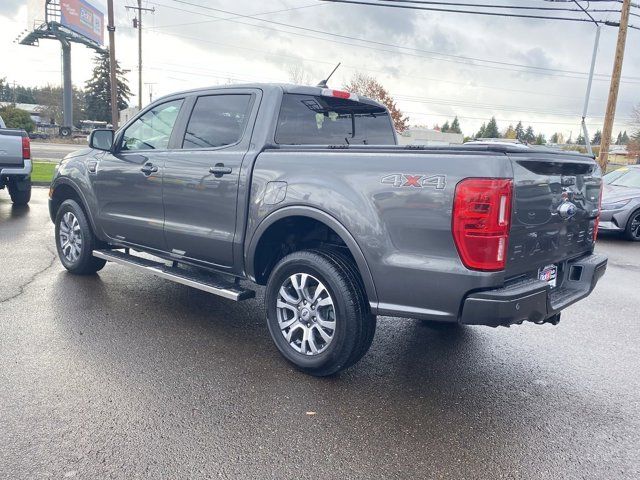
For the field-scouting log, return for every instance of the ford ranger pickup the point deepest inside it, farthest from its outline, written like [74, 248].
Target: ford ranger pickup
[15, 164]
[305, 191]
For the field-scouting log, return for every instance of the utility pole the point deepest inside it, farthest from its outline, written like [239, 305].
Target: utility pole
[150, 84]
[112, 65]
[615, 86]
[137, 23]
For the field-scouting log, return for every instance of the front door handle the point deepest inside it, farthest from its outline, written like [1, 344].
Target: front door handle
[219, 170]
[149, 168]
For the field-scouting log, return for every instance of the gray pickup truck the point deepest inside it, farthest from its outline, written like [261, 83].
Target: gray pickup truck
[304, 190]
[15, 163]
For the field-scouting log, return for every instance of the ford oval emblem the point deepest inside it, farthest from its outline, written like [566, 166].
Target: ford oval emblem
[567, 210]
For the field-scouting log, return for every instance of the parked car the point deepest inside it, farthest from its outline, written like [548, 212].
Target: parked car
[304, 190]
[621, 202]
[15, 163]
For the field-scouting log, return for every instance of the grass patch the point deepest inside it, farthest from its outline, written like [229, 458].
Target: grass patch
[43, 172]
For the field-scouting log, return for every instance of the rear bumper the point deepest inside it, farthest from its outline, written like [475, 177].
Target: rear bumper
[534, 300]
[24, 169]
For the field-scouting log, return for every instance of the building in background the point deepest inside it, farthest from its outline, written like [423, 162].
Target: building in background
[618, 154]
[427, 136]
[33, 108]
[126, 115]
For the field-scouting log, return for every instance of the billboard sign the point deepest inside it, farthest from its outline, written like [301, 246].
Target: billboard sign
[83, 18]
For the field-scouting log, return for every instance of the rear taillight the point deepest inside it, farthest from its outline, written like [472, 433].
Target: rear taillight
[481, 220]
[26, 148]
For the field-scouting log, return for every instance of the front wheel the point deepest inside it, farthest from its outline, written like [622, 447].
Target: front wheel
[75, 240]
[317, 312]
[20, 191]
[632, 232]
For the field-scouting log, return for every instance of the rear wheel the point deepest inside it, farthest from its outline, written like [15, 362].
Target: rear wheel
[317, 313]
[75, 240]
[632, 232]
[20, 191]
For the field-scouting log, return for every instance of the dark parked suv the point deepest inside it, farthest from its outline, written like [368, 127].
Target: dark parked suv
[304, 190]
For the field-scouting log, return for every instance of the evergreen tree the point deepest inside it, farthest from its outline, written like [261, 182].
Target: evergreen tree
[445, 127]
[529, 135]
[597, 138]
[455, 126]
[619, 139]
[554, 138]
[98, 90]
[520, 132]
[540, 140]
[580, 140]
[491, 131]
[625, 138]
[481, 132]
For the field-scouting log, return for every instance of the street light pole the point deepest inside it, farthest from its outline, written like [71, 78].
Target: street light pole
[139, 55]
[589, 84]
[112, 65]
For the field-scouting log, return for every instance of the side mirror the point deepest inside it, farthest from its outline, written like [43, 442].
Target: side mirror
[101, 139]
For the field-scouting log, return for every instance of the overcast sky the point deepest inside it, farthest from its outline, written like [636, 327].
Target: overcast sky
[432, 77]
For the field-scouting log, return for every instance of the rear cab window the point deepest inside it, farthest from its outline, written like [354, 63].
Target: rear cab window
[320, 120]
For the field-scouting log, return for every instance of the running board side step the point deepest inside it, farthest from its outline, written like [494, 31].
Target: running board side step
[190, 278]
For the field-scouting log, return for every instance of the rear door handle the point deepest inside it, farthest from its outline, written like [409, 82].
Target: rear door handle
[220, 170]
[149, 168]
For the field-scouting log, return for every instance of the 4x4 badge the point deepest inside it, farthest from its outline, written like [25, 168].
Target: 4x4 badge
[417, 181]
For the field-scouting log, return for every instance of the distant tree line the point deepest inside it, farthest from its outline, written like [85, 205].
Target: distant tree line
[93, 102]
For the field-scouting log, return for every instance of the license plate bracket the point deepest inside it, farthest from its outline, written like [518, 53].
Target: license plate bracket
[549, 274]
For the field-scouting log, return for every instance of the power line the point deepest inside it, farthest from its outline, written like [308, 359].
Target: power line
[397, 96]
[472, 12]
[493, 64]
[452, 10]
[510, 7]
[237, 16]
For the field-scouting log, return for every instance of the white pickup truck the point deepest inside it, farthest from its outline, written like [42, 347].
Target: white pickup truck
[15, 163]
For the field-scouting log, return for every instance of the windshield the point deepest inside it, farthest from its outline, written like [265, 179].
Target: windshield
[630, 178]
[319, 120]
[613, 175]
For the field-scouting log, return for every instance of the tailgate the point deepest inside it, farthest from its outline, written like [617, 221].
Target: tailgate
[556, 203]
[10, 148]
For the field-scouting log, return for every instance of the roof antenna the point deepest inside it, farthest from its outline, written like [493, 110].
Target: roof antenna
[323, 83]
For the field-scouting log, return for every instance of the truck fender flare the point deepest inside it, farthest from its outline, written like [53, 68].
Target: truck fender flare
[83, 200]
[331, 222]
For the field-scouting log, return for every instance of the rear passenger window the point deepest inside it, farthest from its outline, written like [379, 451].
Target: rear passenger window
[217, 120]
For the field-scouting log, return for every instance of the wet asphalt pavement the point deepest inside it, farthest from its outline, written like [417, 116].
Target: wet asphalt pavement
[123, 375]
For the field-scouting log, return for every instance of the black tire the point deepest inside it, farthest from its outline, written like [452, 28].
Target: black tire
[84, 262]
[20, 191]
[354, 323]
[632, 231]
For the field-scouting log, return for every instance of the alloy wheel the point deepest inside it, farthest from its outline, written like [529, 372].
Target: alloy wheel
[635, 226]
[70, 237]
[306, 314]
